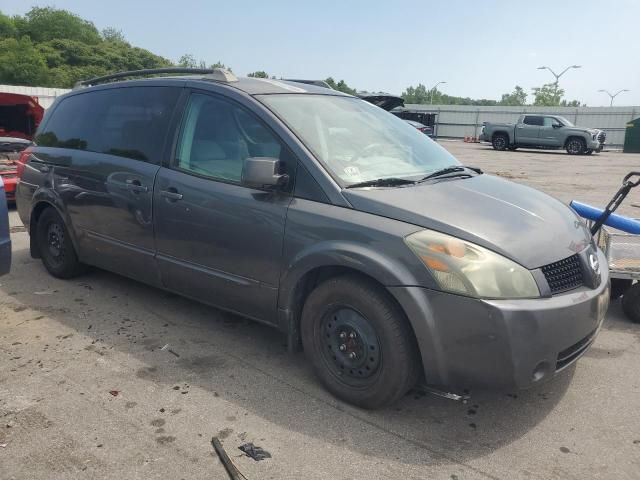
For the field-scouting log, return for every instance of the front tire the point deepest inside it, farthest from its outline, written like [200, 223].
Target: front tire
[631, 303]
[576, 146]
[55, 247]
[618, 287]
[359, 342]
[500, 142]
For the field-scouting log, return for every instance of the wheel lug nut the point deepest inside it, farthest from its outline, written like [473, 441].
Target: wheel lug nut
[352, 355]
[343, 335]
[352, 335]
[343, 347]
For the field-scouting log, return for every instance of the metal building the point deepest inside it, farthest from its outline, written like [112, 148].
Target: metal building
[459, 121]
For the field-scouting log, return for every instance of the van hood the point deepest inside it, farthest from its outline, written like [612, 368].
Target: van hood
[523, 224]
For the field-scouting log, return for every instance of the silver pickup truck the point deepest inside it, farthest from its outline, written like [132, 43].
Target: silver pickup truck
[543, 131]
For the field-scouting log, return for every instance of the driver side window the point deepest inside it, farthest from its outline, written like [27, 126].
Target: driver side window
[218, 136]
[550, 122]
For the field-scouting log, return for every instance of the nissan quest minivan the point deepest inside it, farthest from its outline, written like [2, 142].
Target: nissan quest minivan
[364, 241]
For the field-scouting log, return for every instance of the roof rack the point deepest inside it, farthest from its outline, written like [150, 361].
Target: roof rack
[218, 74]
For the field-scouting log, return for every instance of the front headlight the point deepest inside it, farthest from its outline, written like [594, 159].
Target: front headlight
[468, 269]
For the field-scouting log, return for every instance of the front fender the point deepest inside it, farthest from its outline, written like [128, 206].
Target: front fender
[362, 258]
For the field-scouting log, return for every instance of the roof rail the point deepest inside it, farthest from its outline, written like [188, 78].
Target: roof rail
[317, 83]
[219, 74]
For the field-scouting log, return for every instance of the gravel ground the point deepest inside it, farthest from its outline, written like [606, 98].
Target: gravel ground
[103, 377]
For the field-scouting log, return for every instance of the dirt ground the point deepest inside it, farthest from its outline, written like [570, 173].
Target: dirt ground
[103, 377]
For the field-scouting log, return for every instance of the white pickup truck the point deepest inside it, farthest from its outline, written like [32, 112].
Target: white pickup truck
[543, 131]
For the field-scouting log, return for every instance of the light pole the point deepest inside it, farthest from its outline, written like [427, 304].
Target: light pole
[558, 75]
[614, 95]
[433, 90]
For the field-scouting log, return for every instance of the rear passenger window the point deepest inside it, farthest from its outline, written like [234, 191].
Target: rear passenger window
[218, 136]
[537, 121]
[127, 122]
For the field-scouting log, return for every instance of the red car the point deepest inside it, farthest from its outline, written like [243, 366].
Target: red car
[20, 116]
[9, 174]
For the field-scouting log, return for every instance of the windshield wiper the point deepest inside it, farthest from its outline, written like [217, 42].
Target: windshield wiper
[382, 182]
[459, 170]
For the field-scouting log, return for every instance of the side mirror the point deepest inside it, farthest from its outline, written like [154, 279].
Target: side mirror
[556, 125]
[263, 172]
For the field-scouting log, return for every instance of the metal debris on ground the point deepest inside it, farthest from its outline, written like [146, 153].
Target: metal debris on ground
[231, 469]
[255, 452]
[45, 292]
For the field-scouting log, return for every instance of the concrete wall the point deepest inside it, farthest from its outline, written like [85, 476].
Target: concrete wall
[458, 121]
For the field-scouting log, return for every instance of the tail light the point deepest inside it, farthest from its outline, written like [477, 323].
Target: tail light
[22, 161]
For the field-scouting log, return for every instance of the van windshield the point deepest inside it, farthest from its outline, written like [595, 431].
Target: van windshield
[357, 141]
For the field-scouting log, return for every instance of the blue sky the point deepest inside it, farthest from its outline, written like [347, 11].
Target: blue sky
[480, 48]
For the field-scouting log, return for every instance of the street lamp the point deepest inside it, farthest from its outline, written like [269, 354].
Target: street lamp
[433, 90]
[561, 73]
[612, 96]
[555, 87]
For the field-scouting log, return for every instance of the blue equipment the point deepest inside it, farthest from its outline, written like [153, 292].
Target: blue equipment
[625, 224]
[606, 216]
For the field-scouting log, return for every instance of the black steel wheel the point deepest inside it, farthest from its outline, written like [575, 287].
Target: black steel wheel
[500, 142]
[359, 342]
[631, 303]
[575, 146]
[55, 246]
[353, 349]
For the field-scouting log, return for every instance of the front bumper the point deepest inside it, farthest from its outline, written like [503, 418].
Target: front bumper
[467, 342]
[595, 145]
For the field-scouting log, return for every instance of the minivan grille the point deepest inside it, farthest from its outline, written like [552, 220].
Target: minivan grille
[602, 137]
[564, 275]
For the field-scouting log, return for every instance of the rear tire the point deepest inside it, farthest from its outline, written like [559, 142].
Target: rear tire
[500, 142]
[631, 303]
[55, 247]
[359, 342]
[576, 146]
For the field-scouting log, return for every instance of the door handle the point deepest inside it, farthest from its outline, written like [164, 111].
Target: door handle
[171, 195]
[136, 186]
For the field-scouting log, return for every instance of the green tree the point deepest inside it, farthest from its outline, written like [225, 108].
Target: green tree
[517, 97]
[111, 34]
[7, 26]
[219, 64]
[572, 103]
[188, 61]
[258, 74]
[341, 86]
[48, 23]
[549, 95]
[418, 95]
[21, 63]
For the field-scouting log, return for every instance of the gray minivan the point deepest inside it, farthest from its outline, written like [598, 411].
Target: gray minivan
[327, 217]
